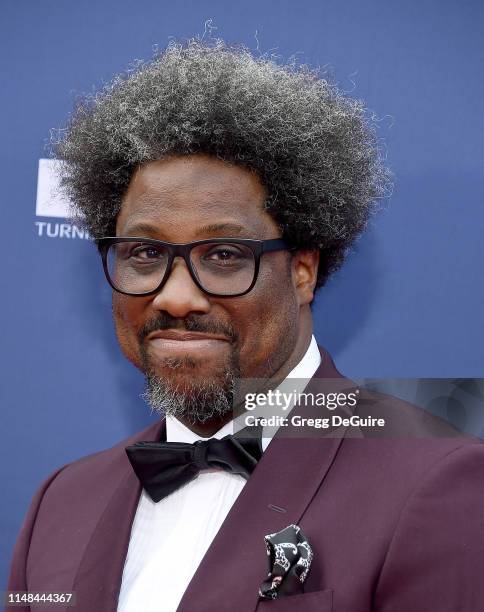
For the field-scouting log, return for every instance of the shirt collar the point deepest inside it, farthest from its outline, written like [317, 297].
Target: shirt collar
[178, 432]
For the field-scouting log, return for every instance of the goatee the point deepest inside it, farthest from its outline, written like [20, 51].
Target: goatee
[194, 401]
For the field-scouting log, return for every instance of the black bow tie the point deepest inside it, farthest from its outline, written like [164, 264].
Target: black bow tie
[163, 467]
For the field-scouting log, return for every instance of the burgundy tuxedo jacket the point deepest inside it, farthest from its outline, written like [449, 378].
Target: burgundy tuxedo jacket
[396, 524]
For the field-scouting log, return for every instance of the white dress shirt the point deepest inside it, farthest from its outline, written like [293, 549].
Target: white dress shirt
[177, 531]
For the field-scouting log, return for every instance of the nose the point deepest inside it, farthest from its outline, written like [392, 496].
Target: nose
[180, 296]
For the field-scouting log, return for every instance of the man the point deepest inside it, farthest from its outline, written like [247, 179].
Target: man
[223, 190]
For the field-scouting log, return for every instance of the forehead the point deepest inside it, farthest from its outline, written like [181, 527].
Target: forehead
[180, 197]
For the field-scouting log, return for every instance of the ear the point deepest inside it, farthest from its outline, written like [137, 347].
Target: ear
[304, 274]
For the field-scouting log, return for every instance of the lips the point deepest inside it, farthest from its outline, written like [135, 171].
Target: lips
[185, 336]
[196, 344]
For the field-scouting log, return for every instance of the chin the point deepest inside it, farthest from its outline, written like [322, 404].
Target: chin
[182, 393]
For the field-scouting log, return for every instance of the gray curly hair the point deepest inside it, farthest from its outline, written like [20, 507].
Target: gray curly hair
[313, 147]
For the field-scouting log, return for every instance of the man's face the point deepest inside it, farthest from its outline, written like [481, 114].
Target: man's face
[180, 337]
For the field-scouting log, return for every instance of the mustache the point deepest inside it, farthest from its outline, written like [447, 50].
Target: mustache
[191, 323]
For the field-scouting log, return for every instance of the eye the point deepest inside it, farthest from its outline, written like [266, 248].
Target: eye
[224, 254]
[146, 251]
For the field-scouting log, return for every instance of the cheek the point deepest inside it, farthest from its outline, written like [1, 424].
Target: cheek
[126, 315]
[268, 330]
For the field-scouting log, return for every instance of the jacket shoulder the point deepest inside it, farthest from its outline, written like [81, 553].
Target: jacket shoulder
[152, 433]
[97, 473]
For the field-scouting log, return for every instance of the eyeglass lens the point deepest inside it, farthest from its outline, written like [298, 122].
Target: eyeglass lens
[224, 269]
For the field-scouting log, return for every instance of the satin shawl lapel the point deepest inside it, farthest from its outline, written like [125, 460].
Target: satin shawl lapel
[98, 579]
[287, 477]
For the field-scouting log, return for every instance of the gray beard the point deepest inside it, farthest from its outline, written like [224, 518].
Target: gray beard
[194, 402]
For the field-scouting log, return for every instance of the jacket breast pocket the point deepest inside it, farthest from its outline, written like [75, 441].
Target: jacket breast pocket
[317, 601]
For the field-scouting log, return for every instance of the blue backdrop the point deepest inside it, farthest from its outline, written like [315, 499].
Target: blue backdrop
[409, 302]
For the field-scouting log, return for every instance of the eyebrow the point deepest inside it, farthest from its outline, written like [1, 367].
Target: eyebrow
[233, 228]
[147, 229]
[140, 228]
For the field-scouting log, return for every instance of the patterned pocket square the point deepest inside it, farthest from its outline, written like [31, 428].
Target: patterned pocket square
[290, 557]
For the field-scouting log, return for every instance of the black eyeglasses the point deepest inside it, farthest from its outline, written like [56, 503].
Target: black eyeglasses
[221, 267]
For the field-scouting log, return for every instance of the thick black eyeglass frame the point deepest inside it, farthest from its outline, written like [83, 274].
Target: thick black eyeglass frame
[258, 248]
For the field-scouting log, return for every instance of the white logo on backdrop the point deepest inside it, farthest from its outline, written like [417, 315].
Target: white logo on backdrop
[52, 203]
